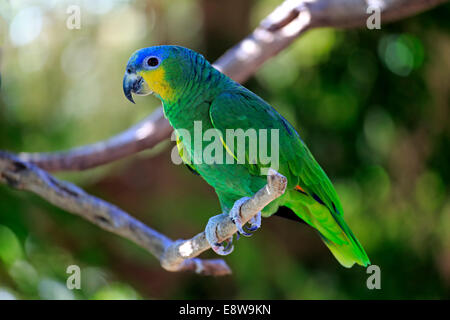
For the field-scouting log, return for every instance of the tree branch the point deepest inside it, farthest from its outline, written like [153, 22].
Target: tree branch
[291, 19]
[274, 34]
[144, 135]
[173, 255]
[25, 176]
[179, 251]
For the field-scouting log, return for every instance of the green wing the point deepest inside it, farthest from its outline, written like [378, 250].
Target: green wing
[243, 109]
[185, 156]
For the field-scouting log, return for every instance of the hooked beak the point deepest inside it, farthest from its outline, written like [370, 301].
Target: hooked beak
[133, 83]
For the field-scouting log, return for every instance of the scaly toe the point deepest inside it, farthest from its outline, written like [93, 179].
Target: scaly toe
[240, 228]
[222, 249]
[235, 216]
[255, 223]
[211, 237]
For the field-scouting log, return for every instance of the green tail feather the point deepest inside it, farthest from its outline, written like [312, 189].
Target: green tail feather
[332, 228]
[350, 253]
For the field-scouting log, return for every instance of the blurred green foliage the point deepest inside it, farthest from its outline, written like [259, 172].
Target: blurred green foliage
[373, 106]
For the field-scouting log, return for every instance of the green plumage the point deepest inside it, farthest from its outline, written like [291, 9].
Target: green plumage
[201, 93]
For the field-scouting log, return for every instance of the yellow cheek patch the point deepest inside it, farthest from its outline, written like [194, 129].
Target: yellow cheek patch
[157, 83]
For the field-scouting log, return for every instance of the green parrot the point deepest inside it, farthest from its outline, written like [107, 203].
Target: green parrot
[193, 91]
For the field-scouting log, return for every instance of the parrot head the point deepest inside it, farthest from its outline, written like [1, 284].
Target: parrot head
[162, 70]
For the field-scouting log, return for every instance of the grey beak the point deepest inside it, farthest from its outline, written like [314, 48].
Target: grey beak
[129, 85]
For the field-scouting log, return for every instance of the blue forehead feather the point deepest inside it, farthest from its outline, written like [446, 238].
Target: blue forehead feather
[161, 52]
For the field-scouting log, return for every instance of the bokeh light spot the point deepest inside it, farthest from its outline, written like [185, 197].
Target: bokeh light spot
[26, 26]
[401, 54]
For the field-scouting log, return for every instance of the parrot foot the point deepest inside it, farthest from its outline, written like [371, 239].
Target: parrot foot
[211, 237]
[235, 215]
[255, 223]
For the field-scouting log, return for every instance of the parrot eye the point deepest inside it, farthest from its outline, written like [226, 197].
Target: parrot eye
[151, 62]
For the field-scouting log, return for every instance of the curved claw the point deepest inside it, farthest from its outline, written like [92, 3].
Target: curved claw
[222, 250]
[250, 230]
[240, 228]
[235, 215]
[255, 223]
[211, 237]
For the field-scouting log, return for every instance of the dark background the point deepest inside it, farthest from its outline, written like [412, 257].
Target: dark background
[373, 106]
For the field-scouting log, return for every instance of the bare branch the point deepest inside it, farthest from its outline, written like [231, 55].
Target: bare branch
[179, 251]
[25, 176]
[353, 13]
[293, 17]
[276, 32]
[144, 135]
[173, 255]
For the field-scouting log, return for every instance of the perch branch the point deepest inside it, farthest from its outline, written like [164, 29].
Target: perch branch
[291, 19]
[176, 254]
[25, 176]
[274, 34]
[173, 255]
